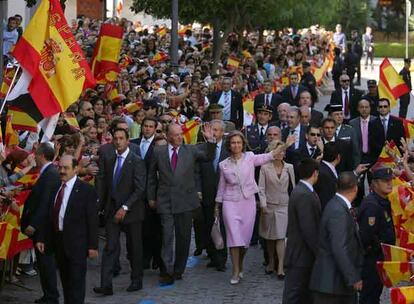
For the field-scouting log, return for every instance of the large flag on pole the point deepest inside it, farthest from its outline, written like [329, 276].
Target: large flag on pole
[391, 85]
[48, 51]
[105, 58]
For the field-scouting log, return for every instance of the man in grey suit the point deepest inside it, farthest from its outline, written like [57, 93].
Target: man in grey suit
[172, 190]
[336, 274]
[304, 214]
[122, 186]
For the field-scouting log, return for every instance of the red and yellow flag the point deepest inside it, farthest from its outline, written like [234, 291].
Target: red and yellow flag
[21, 120]
[133, 106]
[248, 102]
[190, 131]
[392, 273]
[402, 295]
[391, 85]
[162, 31]
[70, 118]
[233, 63]
[105, 58]
[7, 80]
[11, 137]
[408, 127]
[48, 51]
[159, 57]
[405, 238]
[396, 254]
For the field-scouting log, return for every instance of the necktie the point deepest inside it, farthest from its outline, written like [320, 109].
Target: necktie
[292, 132]
[283, 125]
[346, 110]
[262, 133]
[216, 158]
[58, 205]
[174, 159]
[227, 105]
[117, 173]
[143, 148]
[267, 103]
[384, 124]
[312, 150]
[364, 133]
[354, 214]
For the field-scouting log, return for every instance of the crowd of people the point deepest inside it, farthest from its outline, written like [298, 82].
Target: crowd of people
[290, 180]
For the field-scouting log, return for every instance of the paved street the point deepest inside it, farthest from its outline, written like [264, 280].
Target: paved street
[199, 284]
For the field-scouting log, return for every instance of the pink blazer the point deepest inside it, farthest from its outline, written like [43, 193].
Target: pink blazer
[237, 179]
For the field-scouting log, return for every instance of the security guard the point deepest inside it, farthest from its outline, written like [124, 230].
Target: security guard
[376, 227]
[309, 81]
[256, 134]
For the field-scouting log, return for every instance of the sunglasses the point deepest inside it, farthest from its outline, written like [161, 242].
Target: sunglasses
[315, 134]
[165, 121]
[347, 80]
[382, 107]
[158, 131]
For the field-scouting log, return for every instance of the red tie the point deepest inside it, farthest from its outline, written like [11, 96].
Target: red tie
[346, 110]
[58, 205]
[174, 158]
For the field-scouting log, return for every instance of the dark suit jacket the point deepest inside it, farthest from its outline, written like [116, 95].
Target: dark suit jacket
[130, 188]
[80, 224]
[326, 184]
[316, 118]
[304, 213]
[377, 137]
[287, 95]
[176, 192]
[237, 114]
[356, 124]
[292, 154]
[354, 97]
[274, 102]
[349, 149]
[210, 178]
[339, 261]
[40, 198]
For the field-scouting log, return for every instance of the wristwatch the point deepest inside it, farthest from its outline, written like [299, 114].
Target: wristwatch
[125, 207]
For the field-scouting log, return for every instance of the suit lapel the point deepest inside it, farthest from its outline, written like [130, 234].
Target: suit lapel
[166, 157]
[112, 167]
[126, 164]
[181, 154]
[71, 199]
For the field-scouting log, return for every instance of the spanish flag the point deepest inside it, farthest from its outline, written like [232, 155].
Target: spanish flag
[162, 31]
[391, 85]
[70, 118]
[105, 58]
[190, 131]
[395, 253]
[11, 138]
[183, 29]
[408, 127]
[392, 273]
[159, 57]
[21, 120]
[402, 295]
[233, 63]
[405, 238]
[7, 80]
[133, 106]
[48, 51]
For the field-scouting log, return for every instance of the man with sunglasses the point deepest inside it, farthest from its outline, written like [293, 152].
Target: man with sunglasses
[347, 97]
[385, 128]
[313, 146]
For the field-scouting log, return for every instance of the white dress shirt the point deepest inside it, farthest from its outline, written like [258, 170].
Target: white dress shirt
[68, 190]
[348, 203]
[144, 145]
[333, 169]
[297, 135]
[170, 150]
[123, 155]
[310, 187]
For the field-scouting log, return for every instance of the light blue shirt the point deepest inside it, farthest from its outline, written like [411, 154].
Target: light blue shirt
[9, 39]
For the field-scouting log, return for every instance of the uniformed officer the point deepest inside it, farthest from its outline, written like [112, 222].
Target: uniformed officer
[405, 99]
[376, 227]
[372, 96]
[309, 81]
[256, 134]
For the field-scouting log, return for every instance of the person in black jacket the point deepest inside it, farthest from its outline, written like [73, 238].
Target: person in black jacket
[405, 99]
[34, 217]
[309, 81]
[358, 51]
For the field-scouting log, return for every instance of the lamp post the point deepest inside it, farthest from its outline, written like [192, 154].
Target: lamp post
[174, 34]
[407, 16]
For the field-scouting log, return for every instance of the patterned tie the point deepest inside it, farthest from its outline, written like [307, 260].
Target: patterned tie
[227, 106]
[346, 110]
[117, 173]
[58, 205]
[364, 133]
[353, 212]
[216, 158]
[143, 148]
[312, 150]
[267, 103]
[174, 159]
[384, 124]
[294, 91]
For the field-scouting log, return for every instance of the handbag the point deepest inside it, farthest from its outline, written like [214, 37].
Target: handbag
[216, 234]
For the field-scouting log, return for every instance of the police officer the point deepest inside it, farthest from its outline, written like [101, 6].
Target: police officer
[372, 96]
[405, 99]
[376, 227]
[256, 134]
[309, 81]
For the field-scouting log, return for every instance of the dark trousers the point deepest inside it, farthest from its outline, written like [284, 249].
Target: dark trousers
[372, 285]
[152, 242]
[324, 298]
[46, 267]
[370, 56]
[218, 257]
[176, 226]
[404, 102]
[111, 251]
[296, 289]
[72, 274]
[199, 225]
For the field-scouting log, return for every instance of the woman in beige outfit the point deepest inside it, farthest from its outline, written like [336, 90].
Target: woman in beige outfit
[274, 181]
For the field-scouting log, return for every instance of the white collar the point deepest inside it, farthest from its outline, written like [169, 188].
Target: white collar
[309, 146]
[348, 203]
[262, 126]
[333, 169]
[124, 154]
[149, 140]
[70, 183]
[366, 119]
[170, 147]
[219, 143]
[386, 117]
[310, 187]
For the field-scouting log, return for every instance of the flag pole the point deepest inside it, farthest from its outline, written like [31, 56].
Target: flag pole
[9, 90]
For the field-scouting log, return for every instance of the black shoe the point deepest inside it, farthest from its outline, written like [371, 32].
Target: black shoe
[166, 280]
[134, 286]
[211, 265]
[103, 291]
[41, 300]
[177, 276]
[268, 271]
[155, 265]
[198, 252]
[281, 277]
[221, 268]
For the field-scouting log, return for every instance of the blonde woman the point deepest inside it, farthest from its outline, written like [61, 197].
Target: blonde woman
[275, 180]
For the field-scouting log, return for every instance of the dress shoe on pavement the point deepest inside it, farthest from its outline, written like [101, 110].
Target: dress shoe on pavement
[41, 300]
[103, 291]
[166, 280]
[198, 252]
[134, 286]
[177, 276]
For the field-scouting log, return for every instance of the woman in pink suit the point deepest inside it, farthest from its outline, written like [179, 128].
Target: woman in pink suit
[236, 193]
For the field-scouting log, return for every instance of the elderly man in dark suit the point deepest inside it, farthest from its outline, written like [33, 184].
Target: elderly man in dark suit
[303, 228]
[336, 275]
[268, 98]
[291, 93]
[296, 129]
[347, 97]
[34, 216]
[305, 99]
[122, 201]
[232, 103]
[73, 222]
[172, 191]
[209, 173]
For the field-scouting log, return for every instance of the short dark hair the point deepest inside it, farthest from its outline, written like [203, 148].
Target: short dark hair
[347, 181]
[330, 152]
[307, 167]
[122, 130]
[384, 99]
[327, 119]
[46, 150]
[308, 131]
[407, 60]
[155, 121]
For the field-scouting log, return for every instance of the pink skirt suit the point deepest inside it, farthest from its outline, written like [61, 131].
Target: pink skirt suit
[236, 191]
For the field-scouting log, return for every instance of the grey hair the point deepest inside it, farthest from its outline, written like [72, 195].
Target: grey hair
[219, 122]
